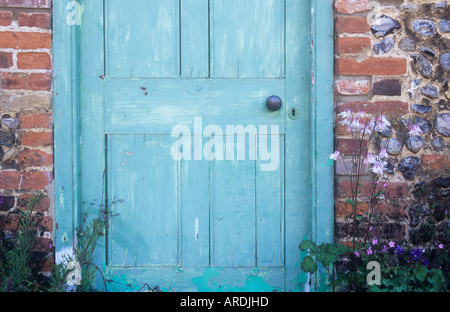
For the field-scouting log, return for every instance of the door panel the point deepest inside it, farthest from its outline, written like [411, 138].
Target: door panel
[226, 208]
[247, 39]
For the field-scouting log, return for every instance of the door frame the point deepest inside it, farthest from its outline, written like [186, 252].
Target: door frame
[67, 122]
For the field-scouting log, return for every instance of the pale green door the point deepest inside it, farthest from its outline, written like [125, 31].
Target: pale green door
[173, 111]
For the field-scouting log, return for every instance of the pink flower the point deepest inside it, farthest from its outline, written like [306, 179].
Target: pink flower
[391, 244]
[356, 253]
[336, 155]
[369, 251]
[374, 241]
[383, 153]
[370, 159]
[370, 126]
[382, 124]
[414, 129]
[441, 246]
[378, 168]
[355, 125]
[385, 185]
[346, 114]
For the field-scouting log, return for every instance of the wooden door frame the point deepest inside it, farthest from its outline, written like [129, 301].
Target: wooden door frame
[67, 126]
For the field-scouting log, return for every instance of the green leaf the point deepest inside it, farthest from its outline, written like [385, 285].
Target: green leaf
[309, 265]
[351, 202]
[306, 244]
[421, 273]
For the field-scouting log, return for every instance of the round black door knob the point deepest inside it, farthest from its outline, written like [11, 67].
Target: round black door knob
[274, 103]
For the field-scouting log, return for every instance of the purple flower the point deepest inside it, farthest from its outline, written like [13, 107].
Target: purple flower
[398, 250]
[416, 254]
[384, 248]
[356, 253]
[441, 246]
[369, 251]
[391, 244]
[374, 241]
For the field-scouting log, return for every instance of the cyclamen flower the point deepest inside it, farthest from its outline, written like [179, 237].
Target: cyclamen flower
[414, 130]
[336, 155]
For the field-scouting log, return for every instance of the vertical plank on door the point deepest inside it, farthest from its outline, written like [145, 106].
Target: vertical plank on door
[195, 217]
[233, 193]
[270, 207]
[247, 39]
[149, 48]
[143, 172]
[194, 38]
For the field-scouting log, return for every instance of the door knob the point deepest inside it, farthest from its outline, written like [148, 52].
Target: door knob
[274, 103]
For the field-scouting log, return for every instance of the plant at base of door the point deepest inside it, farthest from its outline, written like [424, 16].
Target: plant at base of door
[16, 275]
[398, 266]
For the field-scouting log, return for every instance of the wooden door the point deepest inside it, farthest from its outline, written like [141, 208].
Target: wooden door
[173, 111]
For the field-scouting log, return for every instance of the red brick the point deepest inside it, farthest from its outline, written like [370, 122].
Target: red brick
[376, 108]
[26, 180]
[394, 189]
[352, 87]
[353, 45]
[5, 18]
[383, 66]
[350, 147]
[38, 120]
[25, 40]
[33, 60]
[344, 209]
[34, 158]
[25, 3]
[435, 162]
[11, 222]
[36, 138]
[42, 206]
[35, 180]
[9, 179]
[352, 25]
[351, 6]
[18, 81]
[40, 20]
[6, 60]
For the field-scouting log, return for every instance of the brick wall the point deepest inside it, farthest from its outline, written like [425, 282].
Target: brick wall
[26, 137]
[391, 59]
